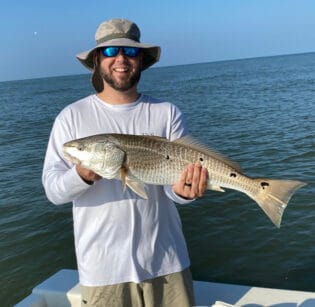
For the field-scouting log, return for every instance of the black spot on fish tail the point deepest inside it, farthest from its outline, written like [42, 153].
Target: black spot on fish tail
[264, 184]
[233, 175]
[201, 159]
[167, 157]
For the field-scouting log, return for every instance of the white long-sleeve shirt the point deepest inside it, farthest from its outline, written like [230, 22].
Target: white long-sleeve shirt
[119, 237]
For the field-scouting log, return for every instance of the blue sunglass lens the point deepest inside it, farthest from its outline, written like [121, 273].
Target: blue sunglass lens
[113, 51]
[131, 51]
[110, 51]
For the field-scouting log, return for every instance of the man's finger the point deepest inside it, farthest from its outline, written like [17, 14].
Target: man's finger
[189, 175]
[203, 182]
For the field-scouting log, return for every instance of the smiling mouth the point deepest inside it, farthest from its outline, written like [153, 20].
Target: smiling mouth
[121, 69]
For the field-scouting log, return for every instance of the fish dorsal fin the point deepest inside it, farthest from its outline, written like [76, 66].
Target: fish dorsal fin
[191, 142]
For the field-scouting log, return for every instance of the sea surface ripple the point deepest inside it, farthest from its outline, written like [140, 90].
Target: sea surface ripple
[259, 112]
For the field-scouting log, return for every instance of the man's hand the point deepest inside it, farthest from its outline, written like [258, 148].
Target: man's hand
[87, 175]
[192, 182]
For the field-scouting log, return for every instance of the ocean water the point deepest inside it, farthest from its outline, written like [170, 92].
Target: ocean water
[259, 112]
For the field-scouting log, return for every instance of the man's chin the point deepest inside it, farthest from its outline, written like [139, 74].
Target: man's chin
[122, 84]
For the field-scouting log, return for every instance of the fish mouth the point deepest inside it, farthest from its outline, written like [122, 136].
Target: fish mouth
[69, 157]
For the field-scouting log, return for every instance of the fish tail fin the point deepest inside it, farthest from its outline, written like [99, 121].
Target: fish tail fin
[274, 196]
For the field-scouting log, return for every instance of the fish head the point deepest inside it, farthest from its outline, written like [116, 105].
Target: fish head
[77, 152]
[102, 156]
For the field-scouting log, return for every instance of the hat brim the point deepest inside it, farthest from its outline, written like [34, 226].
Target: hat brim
[151, 53]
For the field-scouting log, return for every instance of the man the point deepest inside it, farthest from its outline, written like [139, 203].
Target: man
[130, 251]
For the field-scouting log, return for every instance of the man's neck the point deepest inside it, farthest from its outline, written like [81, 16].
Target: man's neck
[112, 96]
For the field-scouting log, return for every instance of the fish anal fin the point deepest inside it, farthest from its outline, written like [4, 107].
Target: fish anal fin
[215, 188]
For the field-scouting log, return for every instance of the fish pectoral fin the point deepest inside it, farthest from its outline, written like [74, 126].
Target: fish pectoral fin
[123, 175]
[215, 188]
[137, 187]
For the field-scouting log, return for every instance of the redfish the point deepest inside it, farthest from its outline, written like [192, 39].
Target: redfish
[139, 160]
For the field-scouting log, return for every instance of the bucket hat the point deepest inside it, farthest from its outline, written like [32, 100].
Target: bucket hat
[120, 32]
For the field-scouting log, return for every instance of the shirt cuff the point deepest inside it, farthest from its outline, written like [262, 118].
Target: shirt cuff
[176, 198]
[75, 182]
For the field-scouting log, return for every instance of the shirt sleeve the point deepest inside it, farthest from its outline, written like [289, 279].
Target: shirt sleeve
[174, 197]
[178, 129]
[60, 179]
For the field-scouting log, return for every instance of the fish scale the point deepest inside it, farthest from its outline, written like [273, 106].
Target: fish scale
[139, 160]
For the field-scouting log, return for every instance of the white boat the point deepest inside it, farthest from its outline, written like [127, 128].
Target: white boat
[63, 290]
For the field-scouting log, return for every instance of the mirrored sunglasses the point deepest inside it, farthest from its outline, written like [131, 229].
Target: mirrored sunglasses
[113, 51]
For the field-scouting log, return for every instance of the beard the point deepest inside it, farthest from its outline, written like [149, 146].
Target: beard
[124, 84]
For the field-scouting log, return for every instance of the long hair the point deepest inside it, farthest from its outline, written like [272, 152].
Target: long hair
[97, 80]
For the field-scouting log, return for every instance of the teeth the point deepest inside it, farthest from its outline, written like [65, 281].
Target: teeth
[120, 69]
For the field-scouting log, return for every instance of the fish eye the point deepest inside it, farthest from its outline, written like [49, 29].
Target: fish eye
[80, 148]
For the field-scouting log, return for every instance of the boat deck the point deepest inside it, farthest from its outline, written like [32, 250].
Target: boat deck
[63, 290]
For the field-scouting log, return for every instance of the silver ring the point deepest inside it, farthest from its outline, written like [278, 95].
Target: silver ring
[187, 184]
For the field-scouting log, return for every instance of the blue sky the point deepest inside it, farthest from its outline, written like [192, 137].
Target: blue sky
[40, 38]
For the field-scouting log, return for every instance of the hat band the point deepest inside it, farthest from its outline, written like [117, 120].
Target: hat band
[117, 35]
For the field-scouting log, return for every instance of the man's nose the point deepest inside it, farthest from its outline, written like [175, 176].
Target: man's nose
[121, 53]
